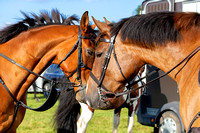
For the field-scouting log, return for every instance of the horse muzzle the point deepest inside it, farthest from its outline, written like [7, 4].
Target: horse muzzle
[95, 100]
[101, 99]
[81, 93]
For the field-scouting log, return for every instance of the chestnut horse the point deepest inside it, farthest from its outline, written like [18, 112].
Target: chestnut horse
[167, 40]
[35, 43]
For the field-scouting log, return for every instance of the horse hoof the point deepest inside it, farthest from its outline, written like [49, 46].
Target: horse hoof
[37, 99]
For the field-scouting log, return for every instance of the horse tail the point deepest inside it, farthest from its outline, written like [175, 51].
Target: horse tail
[66, 116]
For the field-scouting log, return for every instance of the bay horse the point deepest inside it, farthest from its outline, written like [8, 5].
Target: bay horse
[35, 43]
[167, 40]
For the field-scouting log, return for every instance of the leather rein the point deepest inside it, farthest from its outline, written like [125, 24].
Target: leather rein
[54, 94]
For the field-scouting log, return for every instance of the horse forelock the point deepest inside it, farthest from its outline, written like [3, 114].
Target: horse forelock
[32, 21]
[155, 29]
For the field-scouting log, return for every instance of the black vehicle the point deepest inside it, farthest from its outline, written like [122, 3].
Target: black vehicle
[159, 104]
[52, 73]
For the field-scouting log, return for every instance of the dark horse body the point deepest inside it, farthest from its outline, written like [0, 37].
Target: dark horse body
[35, 43]
[160, 39]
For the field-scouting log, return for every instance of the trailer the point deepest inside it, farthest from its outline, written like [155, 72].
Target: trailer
[159, 104]
[149, 6]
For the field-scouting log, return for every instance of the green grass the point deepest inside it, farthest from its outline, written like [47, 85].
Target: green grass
[41, 122]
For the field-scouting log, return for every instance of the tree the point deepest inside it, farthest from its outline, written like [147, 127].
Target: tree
[137, 10]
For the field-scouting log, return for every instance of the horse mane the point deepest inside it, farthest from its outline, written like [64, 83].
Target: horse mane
[154, 29]
[33, 20]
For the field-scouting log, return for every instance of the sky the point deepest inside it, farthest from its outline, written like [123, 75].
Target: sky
[113, 10]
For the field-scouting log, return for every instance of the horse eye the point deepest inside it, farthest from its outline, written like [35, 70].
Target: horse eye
[98, 55]
[90, 52]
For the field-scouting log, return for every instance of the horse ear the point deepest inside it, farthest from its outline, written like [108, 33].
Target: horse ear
[84, 22]
[103, 27]
[107, 22]
[93, 26]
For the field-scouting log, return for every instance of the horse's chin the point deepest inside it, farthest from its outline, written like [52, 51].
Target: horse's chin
[100, 105]
[80, 94]
[106, 105]
[100, 101]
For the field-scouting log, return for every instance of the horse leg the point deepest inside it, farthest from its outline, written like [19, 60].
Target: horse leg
[116, 119]
[131, 113]
[86, 116]
[34, 90]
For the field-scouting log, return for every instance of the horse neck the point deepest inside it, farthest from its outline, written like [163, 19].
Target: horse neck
[167, 57]
[38, 49]
[38, 41]
[45, 39]
[39, 45]
[163, 57]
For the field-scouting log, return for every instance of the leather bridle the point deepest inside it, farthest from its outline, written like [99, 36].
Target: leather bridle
[102, 90]
[81, 64]
[106, 94]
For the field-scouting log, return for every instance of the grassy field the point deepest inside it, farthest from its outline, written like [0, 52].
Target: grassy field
[41, 122]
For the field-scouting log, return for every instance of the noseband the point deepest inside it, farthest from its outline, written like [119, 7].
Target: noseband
[81, 64]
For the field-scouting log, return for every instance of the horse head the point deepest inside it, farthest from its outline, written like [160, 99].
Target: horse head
[106, 81]
[78, 71]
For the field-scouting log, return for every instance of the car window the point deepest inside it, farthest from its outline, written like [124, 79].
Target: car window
[53, 69]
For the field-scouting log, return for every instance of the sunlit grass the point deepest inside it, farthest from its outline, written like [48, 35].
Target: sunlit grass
[102, 121]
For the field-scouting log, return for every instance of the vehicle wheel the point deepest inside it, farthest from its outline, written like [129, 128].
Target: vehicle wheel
[169, 123]
[47, 89]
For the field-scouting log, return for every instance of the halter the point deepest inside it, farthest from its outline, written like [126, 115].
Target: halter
[54, 94]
